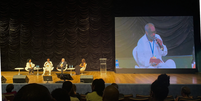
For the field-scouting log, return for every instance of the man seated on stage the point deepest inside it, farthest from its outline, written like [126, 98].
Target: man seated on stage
[62, 65]
[30, 66]
[48, 66]
[150, 49]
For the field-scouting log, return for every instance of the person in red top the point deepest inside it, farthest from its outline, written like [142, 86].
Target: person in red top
[9, 95]
[9, 89]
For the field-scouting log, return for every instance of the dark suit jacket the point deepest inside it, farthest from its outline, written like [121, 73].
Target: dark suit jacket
[64, 64]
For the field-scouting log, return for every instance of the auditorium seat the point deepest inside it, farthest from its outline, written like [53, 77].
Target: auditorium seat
[169, 99]
[126, 97]
[121, 99]
[82, 97]
[9, 97]
[169, 96]
[186, 99]
[198, 97]
[138, 99]
[142, 96]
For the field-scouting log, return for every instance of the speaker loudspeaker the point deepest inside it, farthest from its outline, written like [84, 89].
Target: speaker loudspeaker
[86, 78]
[3, 79]
[20, 79]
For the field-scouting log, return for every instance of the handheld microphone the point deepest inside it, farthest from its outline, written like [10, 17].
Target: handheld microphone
[161, 47]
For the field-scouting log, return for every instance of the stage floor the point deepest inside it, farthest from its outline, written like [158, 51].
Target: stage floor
[109, 77]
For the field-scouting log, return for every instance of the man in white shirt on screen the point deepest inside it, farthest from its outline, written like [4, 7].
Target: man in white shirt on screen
[150, 49]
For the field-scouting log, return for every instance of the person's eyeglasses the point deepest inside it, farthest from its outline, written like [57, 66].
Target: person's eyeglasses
[150, 32]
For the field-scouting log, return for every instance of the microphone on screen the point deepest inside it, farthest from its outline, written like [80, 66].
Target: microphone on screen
[161, 47]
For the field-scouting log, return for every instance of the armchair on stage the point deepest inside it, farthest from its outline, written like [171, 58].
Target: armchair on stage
[27, 67]
[135, 55]
[63, 69]
[47, 69]
[83, 69]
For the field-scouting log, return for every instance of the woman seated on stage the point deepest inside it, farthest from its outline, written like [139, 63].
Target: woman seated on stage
[30, 66]
[81, 67]
[48, 66]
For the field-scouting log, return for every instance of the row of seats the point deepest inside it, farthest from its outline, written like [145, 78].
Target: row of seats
[129, 97]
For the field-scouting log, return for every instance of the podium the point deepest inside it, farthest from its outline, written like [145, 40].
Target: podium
[103, 66]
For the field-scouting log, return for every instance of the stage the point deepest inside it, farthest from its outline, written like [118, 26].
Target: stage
[109, 77]
[128, 83]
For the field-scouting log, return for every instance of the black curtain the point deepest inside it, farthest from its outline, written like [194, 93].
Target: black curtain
[76, 29]
[55, 29]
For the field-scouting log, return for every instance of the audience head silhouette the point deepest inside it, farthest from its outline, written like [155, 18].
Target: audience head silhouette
[115, 85]
[98, 85]
[67, 85]
[73, 90]
[110, 93]
[164, 79]
[33, 92]
[159, 88]
[9, 88]
[60, 94]
[185, 91]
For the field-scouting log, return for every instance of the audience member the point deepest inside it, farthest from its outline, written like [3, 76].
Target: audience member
[116, 86]
[60, 94]
[185, 93]
[9, 93]
[159, 88]
[164, 79]
[73, 95]
[9, 89]
[110, 93]
[98, 85]
[33, 92]
[67, 85]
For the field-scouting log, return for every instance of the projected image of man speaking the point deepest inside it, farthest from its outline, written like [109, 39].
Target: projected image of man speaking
[150, 49]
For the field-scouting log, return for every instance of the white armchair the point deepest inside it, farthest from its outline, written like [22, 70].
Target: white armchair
[136, 57]
[26, 68]
[44, 69]
[83, 69]
[64, 68]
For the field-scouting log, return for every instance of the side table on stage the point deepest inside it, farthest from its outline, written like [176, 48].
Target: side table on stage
[71, 70]
[19, 70]
[37, 70]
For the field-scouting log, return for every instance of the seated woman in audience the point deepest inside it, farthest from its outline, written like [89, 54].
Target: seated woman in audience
[185, 93]
[60, 94]
[98, 85]
[33, 92]
[30, 66]
[73, 95]
[80, 67]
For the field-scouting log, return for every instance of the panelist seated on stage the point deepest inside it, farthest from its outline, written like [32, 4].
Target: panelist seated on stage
[150, 49]
[30, 66]
[80, 68]
[62, 65]
[48, 66]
